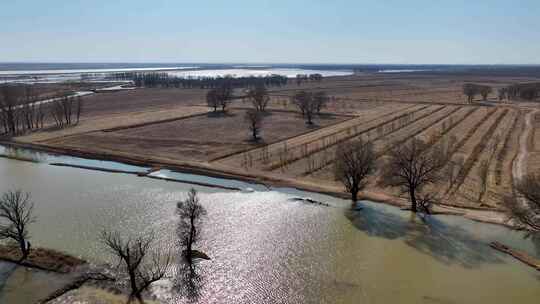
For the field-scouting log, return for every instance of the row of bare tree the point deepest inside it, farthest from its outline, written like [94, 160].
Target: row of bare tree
[66, 110]
[471, 90]
[165, 80]
[524, 91]
[413, 166]
[21, 111]
[300, 78]
[308, 104]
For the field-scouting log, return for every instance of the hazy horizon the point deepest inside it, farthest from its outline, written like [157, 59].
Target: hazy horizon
[347, 31]
[249, 63]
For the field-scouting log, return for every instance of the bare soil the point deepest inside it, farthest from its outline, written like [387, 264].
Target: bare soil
[122, 102]
[201, 137]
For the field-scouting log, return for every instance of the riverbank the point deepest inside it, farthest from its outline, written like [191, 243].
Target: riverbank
[269, 180]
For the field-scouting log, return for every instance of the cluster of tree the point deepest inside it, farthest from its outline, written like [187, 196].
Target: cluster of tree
[526, 91]
[311, 77]
[143, 263]
[310, 103]
[471, 90]
[219, 97]
[164, 80]
[410, 166]
[21, 111]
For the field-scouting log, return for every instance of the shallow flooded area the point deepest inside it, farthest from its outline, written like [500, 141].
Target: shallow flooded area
[267, 247]
[19, 284]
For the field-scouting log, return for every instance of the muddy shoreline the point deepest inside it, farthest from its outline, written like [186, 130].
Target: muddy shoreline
[42, 259]
[206, 169]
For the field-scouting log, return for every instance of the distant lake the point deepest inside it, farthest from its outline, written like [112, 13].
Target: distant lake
[60, 72]
[51, 73]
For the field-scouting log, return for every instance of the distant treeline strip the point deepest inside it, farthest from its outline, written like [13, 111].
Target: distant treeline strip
[525, 91]
[165, 80]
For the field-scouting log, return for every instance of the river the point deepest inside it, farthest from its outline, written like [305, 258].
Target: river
[267, 248]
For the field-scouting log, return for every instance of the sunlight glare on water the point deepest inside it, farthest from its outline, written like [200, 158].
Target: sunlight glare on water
[267, 248]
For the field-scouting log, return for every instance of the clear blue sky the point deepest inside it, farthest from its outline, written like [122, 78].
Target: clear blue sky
[316, 31]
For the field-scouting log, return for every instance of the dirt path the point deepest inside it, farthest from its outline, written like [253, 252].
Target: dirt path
[520, 162]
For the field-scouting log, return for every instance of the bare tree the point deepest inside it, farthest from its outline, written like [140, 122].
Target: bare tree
[525, 208]
[355, 161]
[320, 99]
[63, 109]
[502, 93]
[485, 91]
[452, 169]
[254, 118]
[412, 166]
[79, 107]
[10, 98]
[190, 212]
[304, 101]
[16, 210]
[259, 98]
[135, 259]
[212, 99]
[224, 95]
[470, 91]
[483, 173]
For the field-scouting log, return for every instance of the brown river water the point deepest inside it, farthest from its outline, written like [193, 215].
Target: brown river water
[267, 248]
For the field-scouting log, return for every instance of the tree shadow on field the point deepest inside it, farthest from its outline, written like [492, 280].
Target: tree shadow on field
[259, 142]
[446, 243]
[314, 125]
[220, 114]
[326, 116]
[266, 114]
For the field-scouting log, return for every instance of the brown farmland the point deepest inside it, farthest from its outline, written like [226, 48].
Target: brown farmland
[174, 127]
